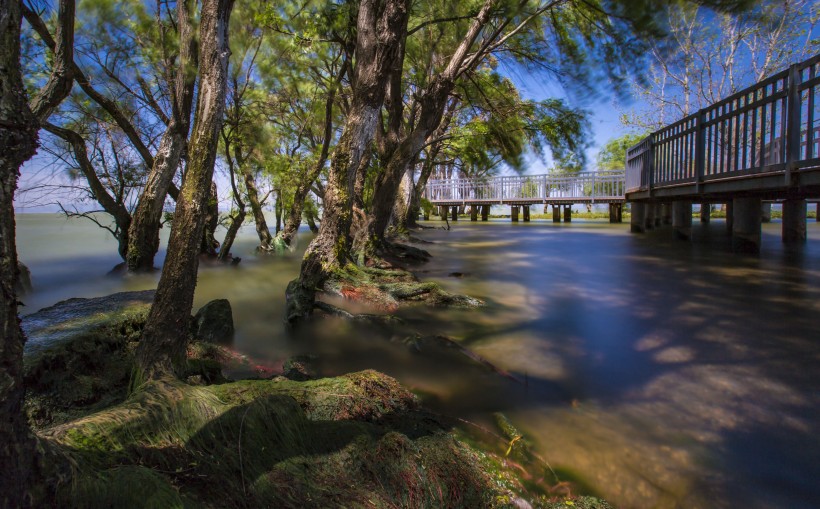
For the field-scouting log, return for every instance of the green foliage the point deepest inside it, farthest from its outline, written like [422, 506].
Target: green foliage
[613, 155]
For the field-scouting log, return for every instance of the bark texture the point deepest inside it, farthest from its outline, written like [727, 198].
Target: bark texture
[381, 28]
[19, 124]
[432, 103]
[262, 230]
[162, 348]
[143, 237]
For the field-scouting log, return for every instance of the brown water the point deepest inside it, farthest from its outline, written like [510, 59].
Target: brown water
[659, 373]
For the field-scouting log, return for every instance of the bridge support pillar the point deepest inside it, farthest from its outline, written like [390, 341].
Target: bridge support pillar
[746, 225]
[514, 213]
[473, 212]
[649, 217]
[730, 216]
[659, 214]
[614, 212]
[682, 219]
[485, 212]
[666, 213]
[766, 212]
[794, 221]
[454, 215]
[637, 222]
[526, 213]
[556, 213]
[567, 213]
[817, 213]
[705, 213]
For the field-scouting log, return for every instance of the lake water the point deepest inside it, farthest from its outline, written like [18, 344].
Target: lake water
[659, 373]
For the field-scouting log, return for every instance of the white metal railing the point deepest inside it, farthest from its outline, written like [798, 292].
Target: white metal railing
[581, 187]
[772, 126]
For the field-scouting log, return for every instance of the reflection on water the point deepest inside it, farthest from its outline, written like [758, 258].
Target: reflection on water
[660, 373]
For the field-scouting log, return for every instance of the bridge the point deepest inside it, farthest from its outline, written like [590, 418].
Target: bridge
[521, 192]
[757, 146]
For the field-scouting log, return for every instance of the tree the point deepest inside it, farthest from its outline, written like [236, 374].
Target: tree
[381, 27]
[143, 236]
[19, 123]
[162, 347]
[613, 155]
[713, 55]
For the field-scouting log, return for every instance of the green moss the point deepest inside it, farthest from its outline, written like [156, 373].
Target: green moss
[356, 440]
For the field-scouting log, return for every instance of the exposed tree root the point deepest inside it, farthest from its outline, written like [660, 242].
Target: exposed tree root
[390, 288]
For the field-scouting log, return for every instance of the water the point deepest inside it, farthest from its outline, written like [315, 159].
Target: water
[658, 373]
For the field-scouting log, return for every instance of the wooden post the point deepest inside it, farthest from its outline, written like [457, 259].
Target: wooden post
[766, 212]
[454, 215]
[682, 219]
[514, 213]
[649, 217]
[526, 213]
[473, 212]
[556, 213]
[659, 214]
[794, 221]
[567, 213]
[817, 213]
[666, 212]
[730, 216]
[637, 223]
[613, 212]
[485, 212]
[620, 212]
[746, 225]
[705, 213]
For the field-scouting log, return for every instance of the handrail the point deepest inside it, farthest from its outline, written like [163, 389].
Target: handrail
[765, 128]
[584, 186]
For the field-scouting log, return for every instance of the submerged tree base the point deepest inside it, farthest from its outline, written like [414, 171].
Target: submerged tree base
[387, 289]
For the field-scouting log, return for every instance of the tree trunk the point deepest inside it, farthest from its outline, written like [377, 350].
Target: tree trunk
[143, 236]
[265, 238]
[433, 102]
[161, 350]
[295, 214]
[209, 242]
[19, 453]
[381, 26]
[230, 235]
[278, 210]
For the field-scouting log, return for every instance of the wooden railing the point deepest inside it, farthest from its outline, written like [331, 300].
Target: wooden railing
[769, 127]
[581, 187]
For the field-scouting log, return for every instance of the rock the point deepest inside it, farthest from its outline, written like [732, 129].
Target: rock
[301, 368]
[23, 285]
[213, 323]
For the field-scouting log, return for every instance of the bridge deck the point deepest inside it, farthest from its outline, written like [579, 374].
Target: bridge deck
[585, 187]
[762, 141]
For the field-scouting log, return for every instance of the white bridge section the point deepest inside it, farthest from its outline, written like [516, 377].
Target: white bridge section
[584, 187]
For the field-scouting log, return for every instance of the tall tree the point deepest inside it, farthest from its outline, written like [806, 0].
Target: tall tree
[143, 237]
[381, 26]
[710, 56]
[19, 124]
[161, 350]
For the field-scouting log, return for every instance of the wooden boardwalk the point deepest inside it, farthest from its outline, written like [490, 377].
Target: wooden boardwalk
[585, 187]
[763, 141]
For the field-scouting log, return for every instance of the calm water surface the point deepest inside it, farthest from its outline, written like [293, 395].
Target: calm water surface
[658, 373]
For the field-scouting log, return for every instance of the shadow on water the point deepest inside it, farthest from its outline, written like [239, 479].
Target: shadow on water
[703, 363]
